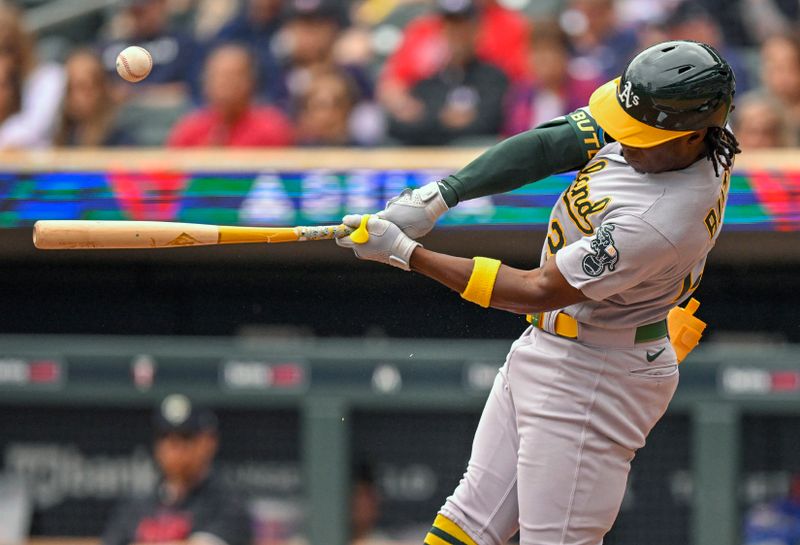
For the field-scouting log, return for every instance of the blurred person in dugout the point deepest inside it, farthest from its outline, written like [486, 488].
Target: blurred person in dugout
[759, 123]
[553, 89]
[776, 522]
[89, 113]
[146, 23]
[501, 39]
[365, 508]
[190, 505]
[462, 101]
[37, 88]
[231, 117]
[780, 75]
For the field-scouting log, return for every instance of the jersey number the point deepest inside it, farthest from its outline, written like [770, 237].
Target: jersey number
[555, 238]
[689, 285]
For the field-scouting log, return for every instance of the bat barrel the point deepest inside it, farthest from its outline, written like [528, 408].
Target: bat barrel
[87, 235]
[79, 234]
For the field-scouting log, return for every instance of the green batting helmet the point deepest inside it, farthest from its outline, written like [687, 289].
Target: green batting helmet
[667, 91]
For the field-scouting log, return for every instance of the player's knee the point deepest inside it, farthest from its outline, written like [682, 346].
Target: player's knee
[446, 532]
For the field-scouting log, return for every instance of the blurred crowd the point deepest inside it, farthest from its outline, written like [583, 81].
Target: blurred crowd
[258, 73]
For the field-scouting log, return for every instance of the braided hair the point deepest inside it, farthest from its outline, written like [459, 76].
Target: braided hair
[721, 146]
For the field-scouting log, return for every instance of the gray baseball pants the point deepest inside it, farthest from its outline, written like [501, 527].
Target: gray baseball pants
[553, 448]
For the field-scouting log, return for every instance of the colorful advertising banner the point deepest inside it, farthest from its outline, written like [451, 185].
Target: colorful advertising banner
[758, 200]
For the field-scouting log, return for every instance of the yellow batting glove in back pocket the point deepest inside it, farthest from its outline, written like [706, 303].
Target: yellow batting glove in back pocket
[685, 329]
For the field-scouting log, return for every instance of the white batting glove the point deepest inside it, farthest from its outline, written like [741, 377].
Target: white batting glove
[386, 244]
[416, 211]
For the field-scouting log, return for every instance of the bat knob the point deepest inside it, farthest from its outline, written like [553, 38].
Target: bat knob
[361, 235]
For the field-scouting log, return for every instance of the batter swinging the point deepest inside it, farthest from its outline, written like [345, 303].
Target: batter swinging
[583, 386]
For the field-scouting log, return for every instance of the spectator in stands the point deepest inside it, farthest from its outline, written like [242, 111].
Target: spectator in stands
[89, 114]
[202, 19]
[41, 86]
[601, 47]
[765, 18]
[637, 13]
[374, 12]
[323, 115]
[10, 89]
[231, 117]
[502, 40]
[691, 21]
[146, 23]
[760, 123]
[465, 98]
[780, 75]
[256, 26]
[309, 40]
[554, 91]
[191, 504]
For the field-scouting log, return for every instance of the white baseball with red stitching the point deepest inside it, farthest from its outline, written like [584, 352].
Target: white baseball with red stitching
[134, 63]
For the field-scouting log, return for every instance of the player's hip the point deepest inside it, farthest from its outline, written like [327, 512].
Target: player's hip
[546, 345]
[623, 391]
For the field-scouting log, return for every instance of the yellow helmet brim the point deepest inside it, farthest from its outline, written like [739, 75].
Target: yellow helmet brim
[612, 117]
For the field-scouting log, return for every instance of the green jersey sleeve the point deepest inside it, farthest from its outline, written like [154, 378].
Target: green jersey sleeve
[564, 144]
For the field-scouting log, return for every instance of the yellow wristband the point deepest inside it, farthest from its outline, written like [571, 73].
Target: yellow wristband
[481, 282]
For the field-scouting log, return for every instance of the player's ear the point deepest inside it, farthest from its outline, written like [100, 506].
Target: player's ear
[697, 136]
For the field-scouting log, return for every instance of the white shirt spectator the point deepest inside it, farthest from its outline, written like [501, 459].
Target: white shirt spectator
[32, 126]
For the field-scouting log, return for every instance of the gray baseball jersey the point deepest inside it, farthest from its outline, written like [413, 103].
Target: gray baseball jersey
[634, 243]
[552, 452]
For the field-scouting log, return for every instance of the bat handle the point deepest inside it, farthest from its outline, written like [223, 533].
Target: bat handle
[322, 232]
[360, 235]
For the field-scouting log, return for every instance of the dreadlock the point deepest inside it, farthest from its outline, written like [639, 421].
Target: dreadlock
[721, 146]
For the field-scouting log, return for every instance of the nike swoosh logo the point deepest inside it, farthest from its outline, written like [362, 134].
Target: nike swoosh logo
[652, 357]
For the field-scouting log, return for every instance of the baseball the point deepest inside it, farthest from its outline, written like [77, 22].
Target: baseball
[134, 63]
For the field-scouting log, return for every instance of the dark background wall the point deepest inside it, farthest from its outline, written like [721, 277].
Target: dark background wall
[317, 288]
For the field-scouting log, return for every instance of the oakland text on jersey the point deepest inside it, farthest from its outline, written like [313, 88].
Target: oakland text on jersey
[576, 198]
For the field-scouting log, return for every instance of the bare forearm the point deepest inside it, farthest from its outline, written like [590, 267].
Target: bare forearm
[515, 290]
[453, 272]
[527, 292]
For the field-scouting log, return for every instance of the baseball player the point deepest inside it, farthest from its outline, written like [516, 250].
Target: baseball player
[627, 241]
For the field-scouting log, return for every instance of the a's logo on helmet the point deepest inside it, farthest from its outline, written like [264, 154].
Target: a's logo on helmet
[626, 97]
